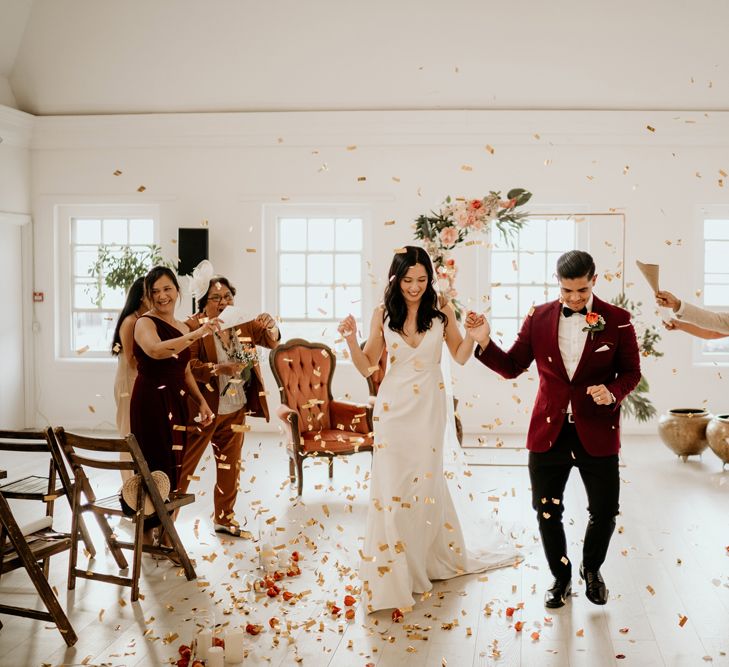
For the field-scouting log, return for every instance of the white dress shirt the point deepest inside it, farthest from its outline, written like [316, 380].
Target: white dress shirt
[572, 339]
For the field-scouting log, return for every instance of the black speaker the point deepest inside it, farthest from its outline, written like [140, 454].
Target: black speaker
[192, 245]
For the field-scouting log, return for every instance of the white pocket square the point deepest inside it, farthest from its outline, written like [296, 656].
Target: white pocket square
[603, 348]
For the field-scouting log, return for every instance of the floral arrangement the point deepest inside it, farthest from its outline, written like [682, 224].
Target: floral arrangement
[445, 229]
[246, 355]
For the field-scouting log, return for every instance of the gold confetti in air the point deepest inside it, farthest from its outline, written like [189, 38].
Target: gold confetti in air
[650, 129]
[118, 172]
[83, 349]
[141, 188]
[490, 149]
[466, 167]
[389, 222]
[360, 179]
[353, 147]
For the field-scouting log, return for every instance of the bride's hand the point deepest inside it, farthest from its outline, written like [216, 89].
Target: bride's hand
[348, 328]
[477, 327]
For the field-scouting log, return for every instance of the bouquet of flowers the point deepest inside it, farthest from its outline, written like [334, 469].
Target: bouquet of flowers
[443, 230]
[246, 355]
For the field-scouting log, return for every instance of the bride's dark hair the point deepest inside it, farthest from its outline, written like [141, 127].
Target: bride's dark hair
[395, 308]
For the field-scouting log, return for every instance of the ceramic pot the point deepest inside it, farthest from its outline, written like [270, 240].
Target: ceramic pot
[717, 433]
[683, 430]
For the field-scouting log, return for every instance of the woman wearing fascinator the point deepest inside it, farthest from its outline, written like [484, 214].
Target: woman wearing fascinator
[225, 367]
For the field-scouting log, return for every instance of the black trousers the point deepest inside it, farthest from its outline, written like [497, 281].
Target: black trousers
[549, 472]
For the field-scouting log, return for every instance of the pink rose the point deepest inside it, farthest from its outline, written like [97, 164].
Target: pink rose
[475, 204]
[448, 236]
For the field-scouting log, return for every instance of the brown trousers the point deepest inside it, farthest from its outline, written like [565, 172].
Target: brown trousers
[227, 445]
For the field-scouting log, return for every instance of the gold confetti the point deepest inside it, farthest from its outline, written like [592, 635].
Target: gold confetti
[650, 589]
[353, 147]
[682, 620]
[361, 178]
[92, 408]
[83, 349]
[118, 172]
[490, 149]
[250, 250]
[650, 129]
[389, 222]
[466, 167]
[141, 188]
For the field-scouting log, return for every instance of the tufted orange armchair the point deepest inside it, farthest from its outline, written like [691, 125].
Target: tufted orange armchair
[316, 424]
[374, 380]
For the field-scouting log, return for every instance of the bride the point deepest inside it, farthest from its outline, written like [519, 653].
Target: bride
[413, 533]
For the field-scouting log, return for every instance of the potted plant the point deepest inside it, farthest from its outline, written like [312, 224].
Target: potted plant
[117, 267]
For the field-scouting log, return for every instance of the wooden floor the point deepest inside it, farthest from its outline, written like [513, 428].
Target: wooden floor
[668, 561]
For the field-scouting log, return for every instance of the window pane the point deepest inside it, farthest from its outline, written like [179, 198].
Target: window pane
[292, 269]
[348, 269]
[83, 292]
[292, 234]
[533, 236]
[504, 331]
[319, 302]
[319, 269]
[715, 256]
[93, 329]
[348, 301]
[83, 260]
[561, 235]
[717, 346]
[115, 231]
[87, 231]
[292, 302]
[552, 258]
[503, 302]
[716, 278]
[529, 296]
[113, 298]
[716, 229]
[349, 234]
[716, 295]
[502, 267]
[531, 267]
[141, 232]
[321, 234]
[552, 293]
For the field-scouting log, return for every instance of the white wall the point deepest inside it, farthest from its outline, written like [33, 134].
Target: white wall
[226, 167]
[15, 265]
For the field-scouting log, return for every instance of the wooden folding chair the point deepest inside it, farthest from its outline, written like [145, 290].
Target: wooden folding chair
[46, 489]
[84, 452]
[26, 551]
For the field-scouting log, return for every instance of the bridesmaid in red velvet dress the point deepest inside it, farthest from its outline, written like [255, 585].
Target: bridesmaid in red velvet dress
[164, 379]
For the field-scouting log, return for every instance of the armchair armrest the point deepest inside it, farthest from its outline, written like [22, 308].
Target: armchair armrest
[290, 419]
[352, 417]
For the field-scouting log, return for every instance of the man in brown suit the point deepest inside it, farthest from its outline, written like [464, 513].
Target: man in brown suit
[231, 391]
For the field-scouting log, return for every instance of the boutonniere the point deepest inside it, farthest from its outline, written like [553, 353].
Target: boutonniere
[595, 322]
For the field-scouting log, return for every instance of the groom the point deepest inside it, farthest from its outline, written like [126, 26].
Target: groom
[588, 362]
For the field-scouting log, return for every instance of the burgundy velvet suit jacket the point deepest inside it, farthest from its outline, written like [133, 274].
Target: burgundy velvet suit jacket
[610, 357]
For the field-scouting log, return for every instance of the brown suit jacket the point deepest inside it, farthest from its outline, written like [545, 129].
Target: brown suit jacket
[204, 357]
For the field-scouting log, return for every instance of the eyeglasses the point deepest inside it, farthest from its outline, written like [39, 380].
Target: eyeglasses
[217, 298]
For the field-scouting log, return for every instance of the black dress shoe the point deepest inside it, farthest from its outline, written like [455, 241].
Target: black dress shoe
[557, 595]
[595, 589]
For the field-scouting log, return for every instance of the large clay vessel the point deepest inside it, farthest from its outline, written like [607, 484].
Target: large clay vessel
[717, 433]
[683, 430]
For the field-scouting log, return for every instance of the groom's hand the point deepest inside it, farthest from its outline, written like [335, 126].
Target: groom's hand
[601, 394]
[477, 328]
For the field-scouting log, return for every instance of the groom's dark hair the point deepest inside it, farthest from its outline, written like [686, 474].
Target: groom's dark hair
[575, 264]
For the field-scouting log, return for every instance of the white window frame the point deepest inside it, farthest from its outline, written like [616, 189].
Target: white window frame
[581, 243]
[64, 215]
[271, 215]
[705, 212]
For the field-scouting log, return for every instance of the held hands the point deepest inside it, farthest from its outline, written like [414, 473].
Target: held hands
[206, 416]
[600, 394]
[668, 300]
[348, 328]
[477, 328]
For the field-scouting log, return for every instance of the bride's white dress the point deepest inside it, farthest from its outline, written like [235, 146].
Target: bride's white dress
[413, 533]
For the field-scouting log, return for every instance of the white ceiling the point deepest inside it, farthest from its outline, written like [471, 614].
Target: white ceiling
[141, 56]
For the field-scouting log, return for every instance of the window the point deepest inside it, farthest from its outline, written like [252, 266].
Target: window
[716, 279]
[523, 276]
[89, 316]
[318, 270]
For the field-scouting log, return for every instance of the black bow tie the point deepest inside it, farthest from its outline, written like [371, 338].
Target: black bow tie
[568, 312]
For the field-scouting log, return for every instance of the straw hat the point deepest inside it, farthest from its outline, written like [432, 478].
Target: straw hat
[129, 491]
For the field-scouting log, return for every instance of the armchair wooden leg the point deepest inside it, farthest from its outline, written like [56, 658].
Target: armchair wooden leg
[292, 471]
[331, 467]
[300, 473]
